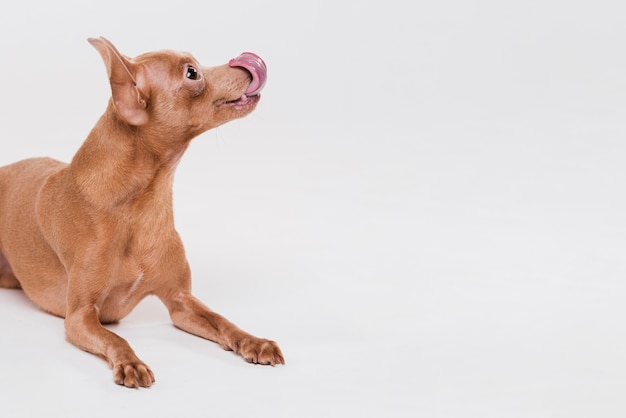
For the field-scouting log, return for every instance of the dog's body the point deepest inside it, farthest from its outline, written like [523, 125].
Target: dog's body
[88, 240]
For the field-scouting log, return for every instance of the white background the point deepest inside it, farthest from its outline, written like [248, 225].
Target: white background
[426, 210]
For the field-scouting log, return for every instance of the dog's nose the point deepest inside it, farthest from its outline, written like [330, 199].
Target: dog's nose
[256, 67]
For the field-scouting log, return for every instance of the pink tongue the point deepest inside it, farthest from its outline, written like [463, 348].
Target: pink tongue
[255, 65]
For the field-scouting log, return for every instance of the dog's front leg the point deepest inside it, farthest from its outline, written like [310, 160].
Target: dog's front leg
[192, 316]
[83, 329]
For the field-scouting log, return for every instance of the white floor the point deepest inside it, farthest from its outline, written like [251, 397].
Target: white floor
[426, 211]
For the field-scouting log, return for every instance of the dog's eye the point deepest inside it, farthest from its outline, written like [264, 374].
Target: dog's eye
[192, 73]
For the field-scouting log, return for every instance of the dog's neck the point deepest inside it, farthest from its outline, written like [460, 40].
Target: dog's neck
[118, 163]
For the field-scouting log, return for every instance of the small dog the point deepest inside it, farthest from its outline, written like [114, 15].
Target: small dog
[88, 240]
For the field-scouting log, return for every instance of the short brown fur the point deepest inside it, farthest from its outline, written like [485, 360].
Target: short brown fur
[89, 240]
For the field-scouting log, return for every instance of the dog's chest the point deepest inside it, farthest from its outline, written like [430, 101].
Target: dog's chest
[146, 244]
[123, 296]
[135, 285]
[145, 232]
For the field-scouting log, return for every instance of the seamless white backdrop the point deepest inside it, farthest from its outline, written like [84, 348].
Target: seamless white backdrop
[426, 210]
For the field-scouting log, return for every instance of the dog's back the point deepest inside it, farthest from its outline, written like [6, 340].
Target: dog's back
[20, 184]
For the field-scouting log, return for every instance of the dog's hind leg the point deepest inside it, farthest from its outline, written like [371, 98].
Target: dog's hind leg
[7, 278]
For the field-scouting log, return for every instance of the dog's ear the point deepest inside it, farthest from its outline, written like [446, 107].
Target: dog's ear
[128, 99]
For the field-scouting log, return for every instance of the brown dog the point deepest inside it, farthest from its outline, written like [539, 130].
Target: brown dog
[88, 240]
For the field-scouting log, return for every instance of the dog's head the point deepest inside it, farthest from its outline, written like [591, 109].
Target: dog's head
[170, 92]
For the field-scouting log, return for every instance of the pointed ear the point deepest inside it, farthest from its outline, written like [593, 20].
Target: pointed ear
[128, 99]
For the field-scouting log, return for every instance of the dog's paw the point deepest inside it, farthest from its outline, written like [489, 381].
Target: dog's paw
[133, 374]
[258, 351]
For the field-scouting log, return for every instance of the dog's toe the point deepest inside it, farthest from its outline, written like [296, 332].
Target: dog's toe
[270, 354]
[133, 375]
[261, 351]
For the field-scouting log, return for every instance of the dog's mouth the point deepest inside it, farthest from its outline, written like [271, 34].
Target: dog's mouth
[242, 101]
[257, 69]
